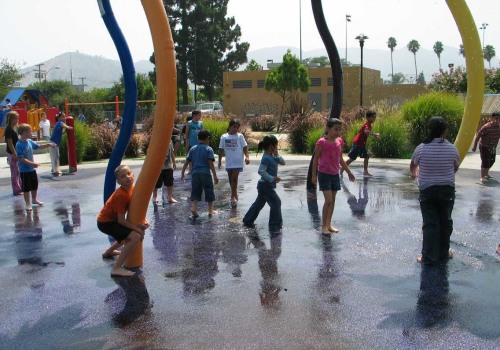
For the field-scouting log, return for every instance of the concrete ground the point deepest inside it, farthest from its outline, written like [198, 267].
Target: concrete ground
[213, 284]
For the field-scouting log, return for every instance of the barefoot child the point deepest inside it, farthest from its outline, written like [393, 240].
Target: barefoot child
[327, 162]
[487, 137]
[27, 165]
[112, 221]
[166, 177]
[359, 142]
[268, 170]
[202, 159]
[56, 138]
[233, 146]
[434, 164]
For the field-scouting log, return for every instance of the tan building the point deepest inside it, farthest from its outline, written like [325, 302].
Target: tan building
[244, 93]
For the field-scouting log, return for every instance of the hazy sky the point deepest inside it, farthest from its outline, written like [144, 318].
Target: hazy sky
[34, 31]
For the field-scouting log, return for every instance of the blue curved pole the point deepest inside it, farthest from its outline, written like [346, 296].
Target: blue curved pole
[130, 80]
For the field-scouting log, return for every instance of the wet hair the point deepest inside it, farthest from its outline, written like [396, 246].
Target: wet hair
[7, 100]
[332, 122]
[204, 134]
[233, 122]
[496, 114]
[11, 115]
[119, 168]
[23, 128]
[59, 115]
[268, 141]
[195, 113]
[436, 127]
[370, 113]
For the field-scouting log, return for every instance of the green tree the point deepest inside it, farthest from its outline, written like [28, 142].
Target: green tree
[323, 61]
[421, 78]
[391, 44]
[438, 49]
[253, 66]
[489, 53]
[461, 50]
[287, 79]
[9, 74]
[413, 46]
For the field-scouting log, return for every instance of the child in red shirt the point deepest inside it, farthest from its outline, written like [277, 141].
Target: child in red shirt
[359, 142]
[111, 221]
[487, 137]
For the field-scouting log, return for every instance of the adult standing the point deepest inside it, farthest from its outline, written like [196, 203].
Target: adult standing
[11, 139]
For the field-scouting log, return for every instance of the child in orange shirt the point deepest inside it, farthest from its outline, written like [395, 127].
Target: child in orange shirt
[112, 221]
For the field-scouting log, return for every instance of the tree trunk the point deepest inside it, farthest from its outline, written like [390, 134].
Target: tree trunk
[416, 74]
[392, 69]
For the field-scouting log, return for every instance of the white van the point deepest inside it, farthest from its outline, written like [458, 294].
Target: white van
[210, 107]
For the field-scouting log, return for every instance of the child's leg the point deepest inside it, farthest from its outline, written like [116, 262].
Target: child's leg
[131, 241]
[194, 208]
[112, 250]
[34, 194]
[330, 214]
[170, 193]
[27, 199]
[365, 167]
[155, 196]
[326, 212]
[233, 183]
[211, 210]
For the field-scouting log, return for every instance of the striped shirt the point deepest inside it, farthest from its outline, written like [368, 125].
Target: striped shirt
[489, 135]
[436, 161]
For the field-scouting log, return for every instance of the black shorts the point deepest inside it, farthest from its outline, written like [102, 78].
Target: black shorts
[488, 156]
[176, 138]
[114, 229]
[166, 178]
[29, 181]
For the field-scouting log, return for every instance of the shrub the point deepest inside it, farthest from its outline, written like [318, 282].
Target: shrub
[298, 128]
[102, 142]
[217, 128]
[82, 138]
[394, 142]
[351, 131]
[263, 123]
[418, 111]
[134, 148]
[312, 136]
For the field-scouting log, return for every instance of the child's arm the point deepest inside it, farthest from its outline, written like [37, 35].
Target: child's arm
[221, 154]
[314, 174]
[67, 127]
[476, 140]
[186, 163]
[413, 170]
[214, 173]
[124, 222]
[344, 166]
[28, 162]
[247, 156]
[265, 175]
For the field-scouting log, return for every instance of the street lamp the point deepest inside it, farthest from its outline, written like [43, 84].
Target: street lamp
[49, 71]
[300, 29]
[483, 27]
[361, 37]
[347, 19]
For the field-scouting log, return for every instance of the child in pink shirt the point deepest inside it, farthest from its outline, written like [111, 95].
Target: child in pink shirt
[327, 162]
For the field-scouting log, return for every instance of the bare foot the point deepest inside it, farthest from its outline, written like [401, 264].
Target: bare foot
[28, 209]
[37, 202]
[110, 255]
[120, 271]
[194, 213]
[326, 232]
[366, 173]
[172, 200]
[333, 229]
[420, 259]
[212, 212]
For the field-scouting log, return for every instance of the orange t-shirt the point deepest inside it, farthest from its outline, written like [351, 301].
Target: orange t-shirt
[116, 204]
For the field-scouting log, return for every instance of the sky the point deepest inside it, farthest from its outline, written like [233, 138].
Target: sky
[35, 31]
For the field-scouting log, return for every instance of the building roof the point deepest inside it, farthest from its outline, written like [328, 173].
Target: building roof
[16, 94]
[491, 103]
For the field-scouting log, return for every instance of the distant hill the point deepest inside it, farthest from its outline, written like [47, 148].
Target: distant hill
[98, 71]
[102, 72]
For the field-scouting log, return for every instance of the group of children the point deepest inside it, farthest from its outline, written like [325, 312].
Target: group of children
[433, 164]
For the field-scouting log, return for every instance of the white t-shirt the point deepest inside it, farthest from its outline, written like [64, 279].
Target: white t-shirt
[233, 149]
[45, 126]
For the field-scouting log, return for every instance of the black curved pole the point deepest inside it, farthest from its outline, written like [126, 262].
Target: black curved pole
[336, 65]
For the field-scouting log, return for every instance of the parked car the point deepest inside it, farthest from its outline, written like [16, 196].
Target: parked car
[210, 107]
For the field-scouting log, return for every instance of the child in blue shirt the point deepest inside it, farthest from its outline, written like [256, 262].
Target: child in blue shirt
[268, 170]
[27, 165]
[56, 139]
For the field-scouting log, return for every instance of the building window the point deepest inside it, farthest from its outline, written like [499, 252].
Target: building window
[330, 82]
[242, 84]
[260, 83]
[315, 81]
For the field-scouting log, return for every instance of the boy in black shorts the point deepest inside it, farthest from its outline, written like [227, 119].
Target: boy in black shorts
[166, 178]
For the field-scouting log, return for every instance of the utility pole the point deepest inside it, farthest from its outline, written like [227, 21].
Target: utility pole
[39, 71]
[83, 82]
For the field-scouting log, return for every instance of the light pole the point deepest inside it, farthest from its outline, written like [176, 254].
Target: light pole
[347, 19]
[361, 37]
[483, 27]
[300, 29]
[49, 71]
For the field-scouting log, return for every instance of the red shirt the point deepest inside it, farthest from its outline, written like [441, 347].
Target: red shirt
[489, 135]
[116, 204]
[362, 136]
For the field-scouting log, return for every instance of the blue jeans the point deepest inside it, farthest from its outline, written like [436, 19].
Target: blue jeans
[436, 205]
[266, 194]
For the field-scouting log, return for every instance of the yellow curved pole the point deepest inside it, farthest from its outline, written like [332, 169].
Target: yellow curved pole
[475, 74]
[166, 82]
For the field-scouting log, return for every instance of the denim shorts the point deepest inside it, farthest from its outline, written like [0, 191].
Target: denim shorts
[357, 151]
[200, 183]
[328, 182]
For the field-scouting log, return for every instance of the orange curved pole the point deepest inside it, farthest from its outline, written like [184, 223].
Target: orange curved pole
[166, 92]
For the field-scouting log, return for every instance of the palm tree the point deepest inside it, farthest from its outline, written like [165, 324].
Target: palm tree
[391, 44]
[438, 48]
[414, 46]
[461, 50]
[489, 53]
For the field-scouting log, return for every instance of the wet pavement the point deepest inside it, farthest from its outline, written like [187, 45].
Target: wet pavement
[213, 284]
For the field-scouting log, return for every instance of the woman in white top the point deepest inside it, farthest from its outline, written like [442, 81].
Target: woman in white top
[233, 145]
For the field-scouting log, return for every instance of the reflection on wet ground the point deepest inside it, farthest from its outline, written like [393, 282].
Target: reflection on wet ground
[211, 283]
